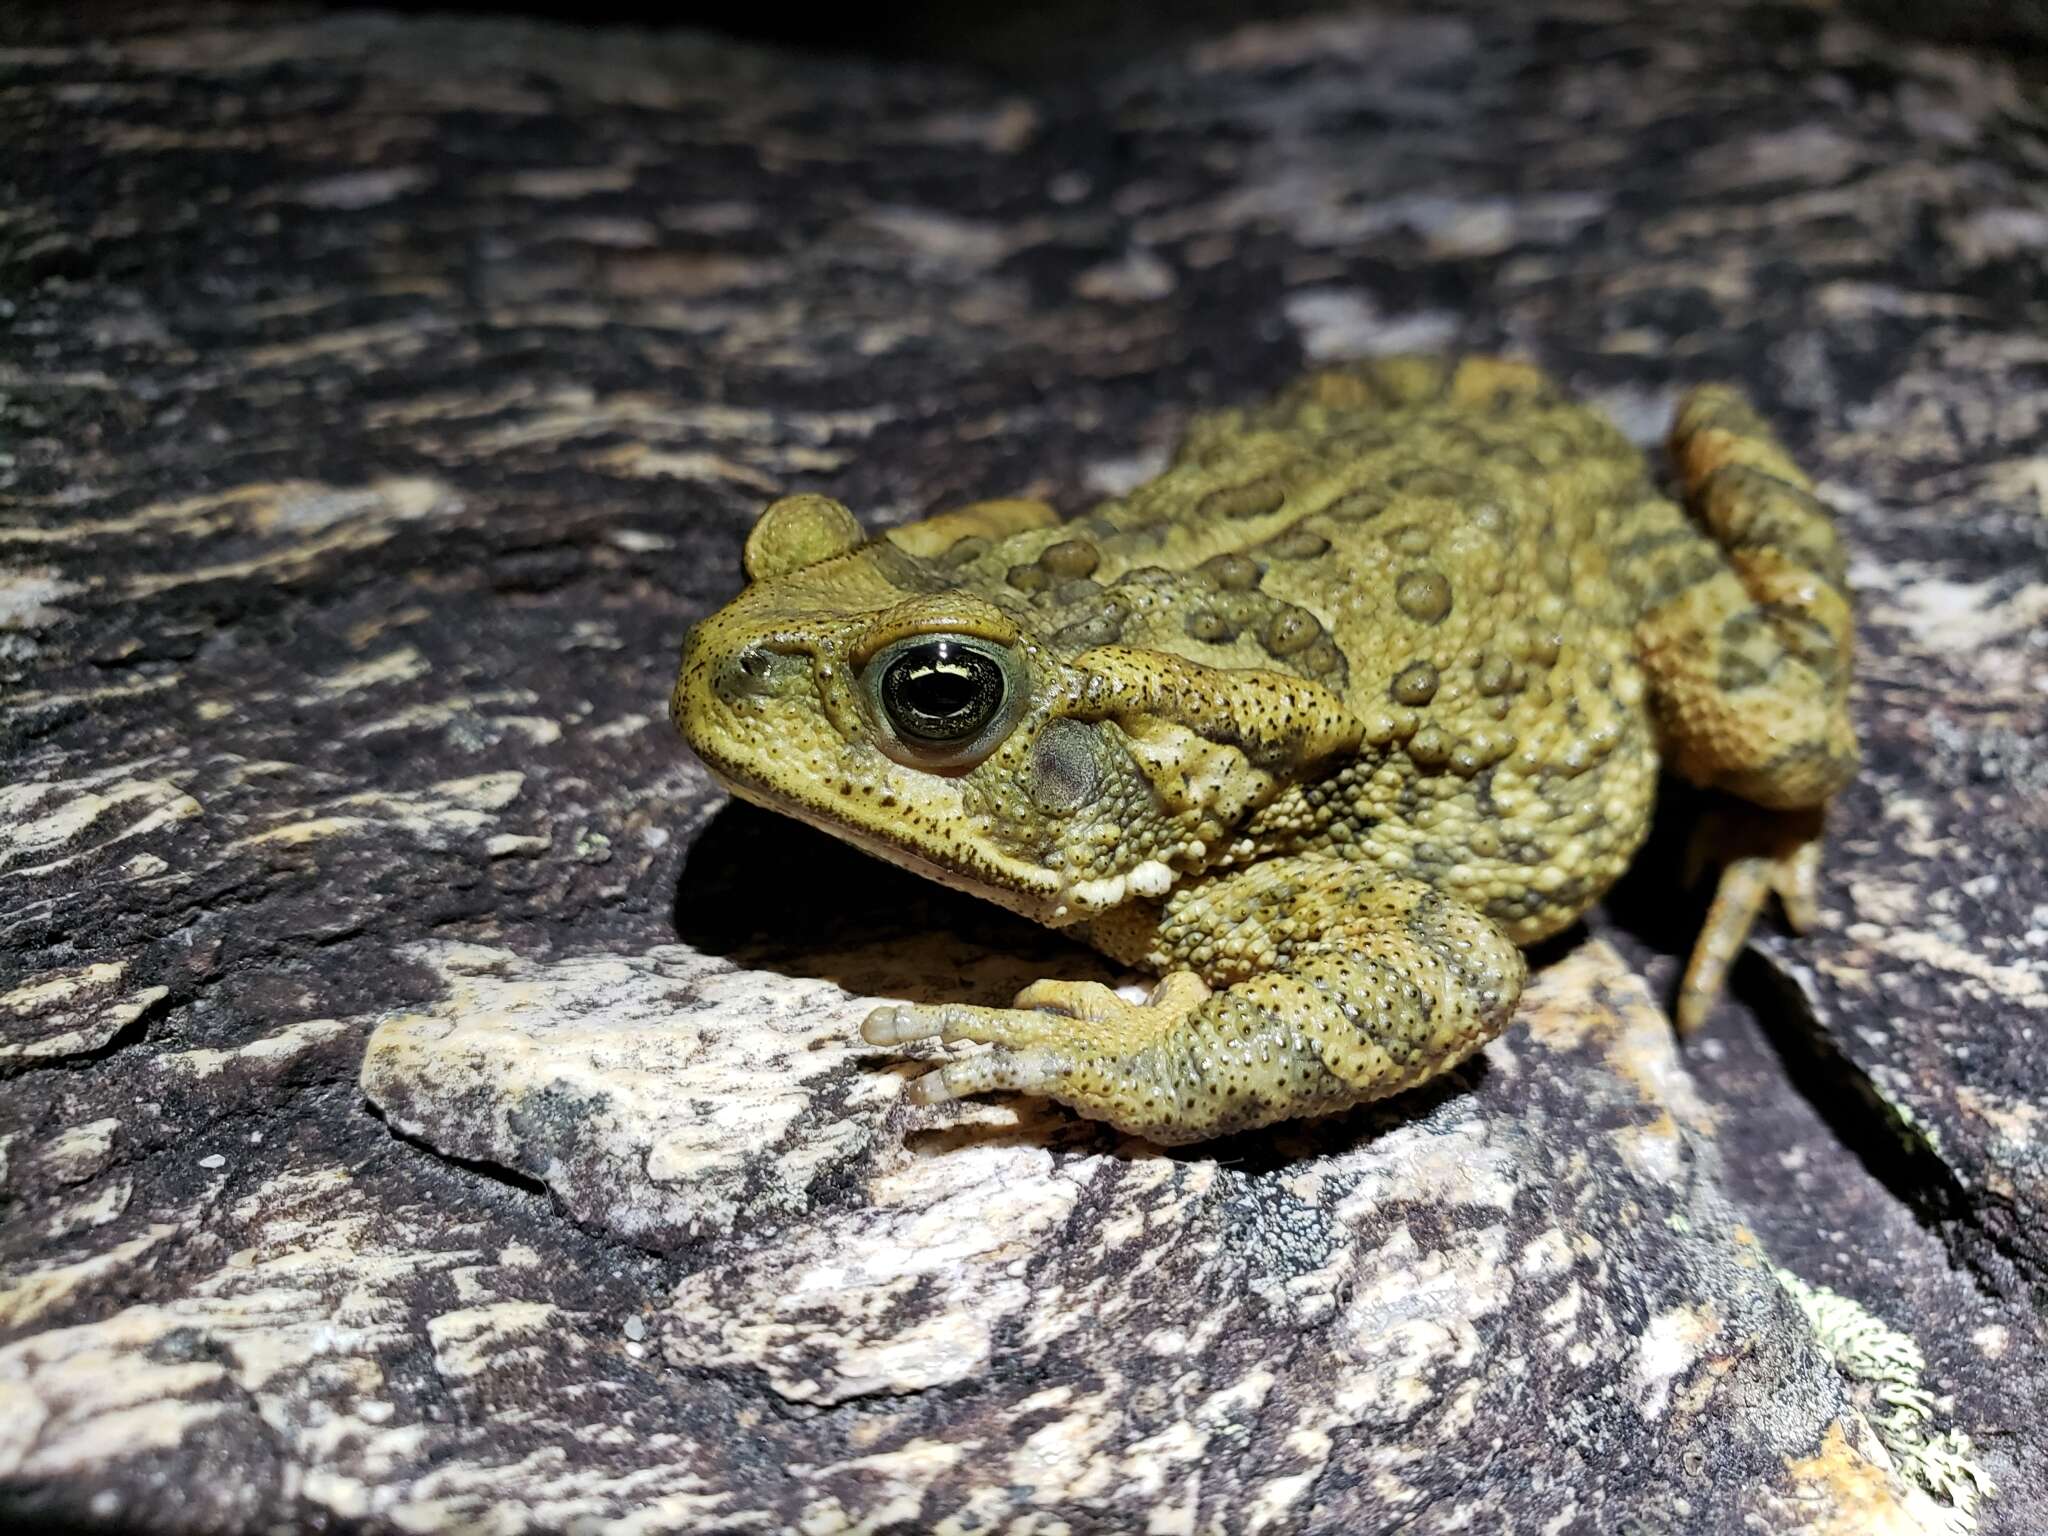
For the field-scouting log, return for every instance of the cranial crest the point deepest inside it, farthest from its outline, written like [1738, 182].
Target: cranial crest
[1280, 722]
[799, 531]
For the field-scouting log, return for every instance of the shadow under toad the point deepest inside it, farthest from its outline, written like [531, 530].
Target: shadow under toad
[1255, 1154]
[771, 894]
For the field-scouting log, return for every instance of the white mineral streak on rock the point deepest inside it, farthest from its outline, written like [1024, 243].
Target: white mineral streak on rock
[509, 845]
[1670, 1346]
[65, 1013]
[494, 1336]
[453, 807]
[103, 1202]
[1414, 1323]
[643, 463]
[1364, 37]
[363, 189]
[471, 712]
[529, 418]
[569, 182]
[946, 243]
[1342, 323]
[242, 508]
[1116, 475]
[1549, 1253]
[74, 1398]
[26, 1295]
[78, 1152]
[1004, 126]
[1954, 618]
[2016, 1124]
[29, 597]
[1133, 278]
[1296, 181]
[2024, 981]
[1643, 414]
[272, 1052]
[303, 523]
[81, 817]
[1562, 1314]
[1411, 1327]
[892, 1485]
[401, 664]
[1073, 1457]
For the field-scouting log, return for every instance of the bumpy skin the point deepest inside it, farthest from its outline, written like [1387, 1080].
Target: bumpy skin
[1370, 687]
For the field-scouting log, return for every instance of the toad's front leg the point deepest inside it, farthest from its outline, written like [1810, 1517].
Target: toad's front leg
[1297, 987]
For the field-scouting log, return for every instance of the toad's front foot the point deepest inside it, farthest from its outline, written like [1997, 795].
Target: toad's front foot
[1075, 1041]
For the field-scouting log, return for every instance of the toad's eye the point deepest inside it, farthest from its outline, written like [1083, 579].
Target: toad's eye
[947, 701]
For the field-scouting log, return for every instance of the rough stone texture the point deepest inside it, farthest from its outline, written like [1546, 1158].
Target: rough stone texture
[378, 401]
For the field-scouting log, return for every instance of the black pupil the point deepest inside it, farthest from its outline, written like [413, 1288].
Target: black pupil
[942, 691]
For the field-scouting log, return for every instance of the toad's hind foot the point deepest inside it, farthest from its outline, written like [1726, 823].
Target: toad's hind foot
[1760, 853]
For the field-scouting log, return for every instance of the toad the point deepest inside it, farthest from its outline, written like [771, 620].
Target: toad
[1368, 689]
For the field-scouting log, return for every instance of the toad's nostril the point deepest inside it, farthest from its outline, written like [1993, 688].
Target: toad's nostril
[754, 671]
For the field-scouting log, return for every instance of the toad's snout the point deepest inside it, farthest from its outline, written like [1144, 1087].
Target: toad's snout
[729, 679]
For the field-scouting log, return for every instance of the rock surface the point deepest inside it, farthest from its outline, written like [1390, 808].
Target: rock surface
[427, 1104]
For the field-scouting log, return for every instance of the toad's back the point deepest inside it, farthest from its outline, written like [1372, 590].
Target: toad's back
[1454, 562]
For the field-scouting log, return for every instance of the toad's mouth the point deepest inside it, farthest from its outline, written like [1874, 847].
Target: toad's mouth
[1022, 888]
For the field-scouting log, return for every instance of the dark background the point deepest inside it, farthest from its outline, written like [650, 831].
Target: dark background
[1036, 43]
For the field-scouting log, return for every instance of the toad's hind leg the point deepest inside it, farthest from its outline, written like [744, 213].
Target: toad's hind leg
[1746, 637]
[1334, 985]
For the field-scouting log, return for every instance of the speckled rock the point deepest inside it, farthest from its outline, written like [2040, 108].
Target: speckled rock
[427, 1104]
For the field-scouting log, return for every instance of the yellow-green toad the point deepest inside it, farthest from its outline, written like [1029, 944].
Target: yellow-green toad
[1370, 687]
